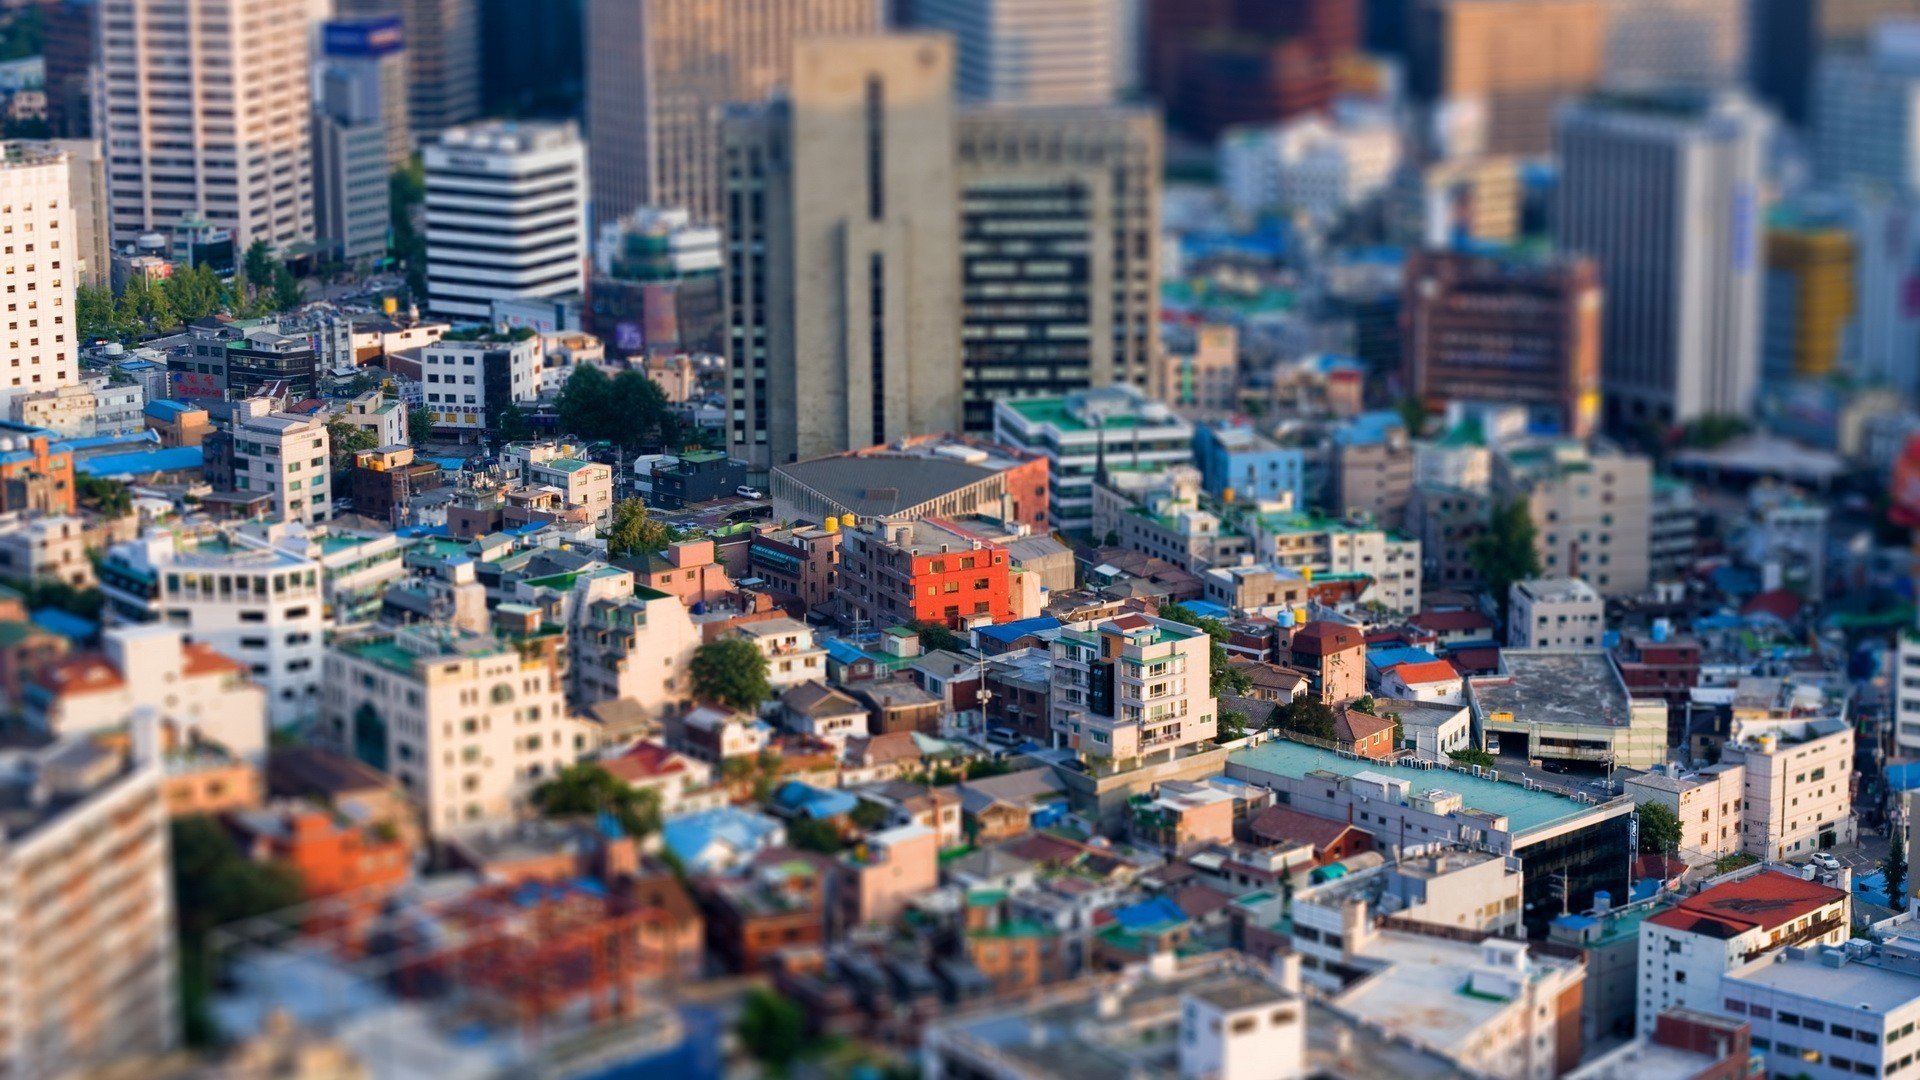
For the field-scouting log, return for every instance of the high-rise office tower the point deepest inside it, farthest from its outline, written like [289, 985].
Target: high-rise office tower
[658, 72]
[40, 261]
[1790, 38]
[534, 57]
[506, 215]
[87, 198]
[1217, 63]
[1031, 52]
[1510, 63]
[208, 116]
[1811, 267]
[1059, 232]
[363, 76]
[1653, 43]
[443, 57]
[1866, 112]
[1511, 330]
[70, 49]
[1663, 190]
[360, 133]
[842, 241]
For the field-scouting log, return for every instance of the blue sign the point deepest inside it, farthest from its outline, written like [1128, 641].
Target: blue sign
[364, 37]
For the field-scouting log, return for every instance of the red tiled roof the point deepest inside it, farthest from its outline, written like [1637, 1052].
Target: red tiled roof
[1765, 901]
[1044, 849]
[1280, 823]
[1425, 671]
[1354, 726]
[199, 659]
[1199, 901]
[1479, 660]
[89, 673]
[1324, 637]
[645, 761]
[1132, 622]
[1779, 603]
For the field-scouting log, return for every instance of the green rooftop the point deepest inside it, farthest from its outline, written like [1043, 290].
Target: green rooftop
[1054, 412]
[382, 651]
[566, 464]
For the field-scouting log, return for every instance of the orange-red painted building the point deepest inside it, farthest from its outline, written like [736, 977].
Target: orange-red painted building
[933, 570]
[332, 854]
[34, 474]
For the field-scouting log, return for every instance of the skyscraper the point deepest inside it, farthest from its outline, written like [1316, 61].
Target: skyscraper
[842, 234]
[1663, 42]
[1511, 62]
[659, 70]
[1866, 112]
[208, 116]
[506, 215]
[1059, 230]
[1031, 52]
[443, 57]
[42, 266]
[361, 133]
[1663, 190]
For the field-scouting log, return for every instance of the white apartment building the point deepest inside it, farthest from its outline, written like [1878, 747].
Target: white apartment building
[1304, 542]
[1799, 772]
[506, 215]
[44, 547]
[240, 590]
[41, 262]
[1785, 539]
[384, 416]
[630, 644]
[1708, 805]
[206, 114]
[1834, 1012]
[196, 693]
[1118, 424]
[1031, 52]
[1554, 613]
[1906, 692]
[467, 723]
[1687, 948]
[793, 657]
[87, 966]
[1311, 165]
[1131, 687]
[286, 455]
[468, 377]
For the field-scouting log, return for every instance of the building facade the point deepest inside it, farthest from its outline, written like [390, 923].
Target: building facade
[1132, 687]
[1031, 52]
[42, 337]
[506, 215]
[841, 235]
[207, 117]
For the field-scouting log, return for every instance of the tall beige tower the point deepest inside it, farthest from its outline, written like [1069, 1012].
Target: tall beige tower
[43, 265]
[207, 114]
[659, 71]
[843, 242]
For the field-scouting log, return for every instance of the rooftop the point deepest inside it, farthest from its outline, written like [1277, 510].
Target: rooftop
[1874, 984]
[1425, 996]
[1526, 809]
[1763, 901]
[1564, 590]
[1554, 686]
[881, 486]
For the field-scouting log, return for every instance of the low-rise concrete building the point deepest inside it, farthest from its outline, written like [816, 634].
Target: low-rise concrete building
[1554, 613]
[1708, 805]
[1567, 706]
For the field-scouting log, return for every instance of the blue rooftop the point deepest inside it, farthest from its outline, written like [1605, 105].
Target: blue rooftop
[804, 799]
[167, 409]
[1368, 429]
[1524, 809]
[106, 442]
[65, 623]
[1207, 609]
[172, 459]
[707, 840]
[1149, 914]
[1387, 656]
[1008, 632]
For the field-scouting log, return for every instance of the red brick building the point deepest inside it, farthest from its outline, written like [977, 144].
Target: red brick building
[33, 474]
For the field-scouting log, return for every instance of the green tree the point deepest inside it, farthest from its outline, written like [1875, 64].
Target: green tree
[773, 1029]
[215, 884]
[935, 637]
[732, 672]
[1504, 553]
[195, 293]
[868, 816]
[1222, 676]
[258, 262]
[1413, 415]
[1473, 755]
[585, 408]
[96, 315]
[419, 424]
[634, 532]
[1713, 429]
[1894, 866]
[1232, 726]
[288, 293]
[109, 498]
[345, 440]
[809, 834]
[1659, 829]
[1306, 716]
[586, 788]
[406, 193]
[510, 423]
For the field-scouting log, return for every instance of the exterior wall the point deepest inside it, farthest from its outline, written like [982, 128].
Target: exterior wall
[42, 348]
[1683, 970]
[1796, 795]
[1160, 704]
[289, 457]
[520, 192]
[1542, 615]
[1708, 807]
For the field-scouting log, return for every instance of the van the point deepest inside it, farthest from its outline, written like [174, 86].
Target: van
[746, 492]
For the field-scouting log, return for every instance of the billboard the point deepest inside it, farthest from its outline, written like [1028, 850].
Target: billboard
[363, 37]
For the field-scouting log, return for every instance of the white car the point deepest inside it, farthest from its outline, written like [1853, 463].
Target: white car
[1824, 861]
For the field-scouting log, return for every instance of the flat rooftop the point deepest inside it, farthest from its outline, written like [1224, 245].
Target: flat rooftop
[1424, 995]
[880, 486]
[1879, 983]
[1575, 687]
[1525, 809]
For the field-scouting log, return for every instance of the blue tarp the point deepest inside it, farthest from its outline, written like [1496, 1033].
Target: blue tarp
[173, 459]
[1007, 632]
[1150, 913]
